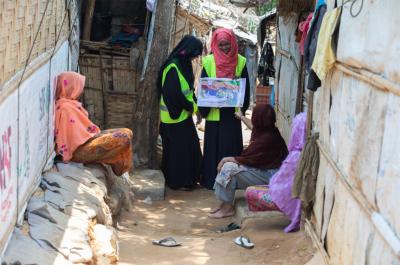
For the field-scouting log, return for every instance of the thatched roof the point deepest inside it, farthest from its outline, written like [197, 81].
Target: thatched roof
[248, 3]
[244, 3]
[284, 6]
[269, 15]
[202, 24]
[212, 11]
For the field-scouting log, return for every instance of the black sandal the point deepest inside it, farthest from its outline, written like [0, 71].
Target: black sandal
[228, 228]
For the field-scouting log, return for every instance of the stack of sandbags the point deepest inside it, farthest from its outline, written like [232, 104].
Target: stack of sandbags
[68, 221]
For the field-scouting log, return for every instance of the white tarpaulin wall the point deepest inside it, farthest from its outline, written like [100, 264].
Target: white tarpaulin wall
[375, 33]
[356, 215]
[27, 138]
[8, 166]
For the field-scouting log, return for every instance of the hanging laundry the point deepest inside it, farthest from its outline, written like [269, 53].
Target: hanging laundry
[266, 65]
[304, 183]
[325, 55]
[127, 36]
[310, 47]
[320, 3]
[303, 28]
[150, 4]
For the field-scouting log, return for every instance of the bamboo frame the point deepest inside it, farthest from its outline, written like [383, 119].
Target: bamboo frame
[87, 27]
[311, 232]
[371, 78]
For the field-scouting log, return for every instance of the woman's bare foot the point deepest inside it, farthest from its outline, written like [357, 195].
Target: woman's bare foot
[216, 209]
[221, 213]
[226, 210]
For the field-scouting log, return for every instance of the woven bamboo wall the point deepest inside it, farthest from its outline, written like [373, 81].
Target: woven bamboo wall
[110, 89]
[19, 22]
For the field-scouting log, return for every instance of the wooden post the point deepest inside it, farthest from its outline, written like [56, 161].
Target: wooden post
[146, 122]
[87, 27]
[300, 87]
[310, 105]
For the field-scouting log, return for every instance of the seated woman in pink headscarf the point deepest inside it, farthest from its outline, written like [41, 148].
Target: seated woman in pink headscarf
[80, 140]
[277, 196]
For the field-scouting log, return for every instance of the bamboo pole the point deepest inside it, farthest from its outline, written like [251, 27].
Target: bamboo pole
[310, 106]
[300, 87]
[311, 232]
[373, 79]
[87, 27]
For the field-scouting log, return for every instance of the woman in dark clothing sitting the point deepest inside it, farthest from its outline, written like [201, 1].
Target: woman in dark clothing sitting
[181, 148]
[257, 163]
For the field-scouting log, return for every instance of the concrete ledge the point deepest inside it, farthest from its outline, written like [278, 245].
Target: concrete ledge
[242, 212]
[148, 182]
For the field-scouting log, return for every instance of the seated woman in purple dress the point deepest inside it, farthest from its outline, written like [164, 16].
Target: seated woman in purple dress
[278, 194]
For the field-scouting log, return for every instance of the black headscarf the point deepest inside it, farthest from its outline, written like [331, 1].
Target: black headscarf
[188, 48]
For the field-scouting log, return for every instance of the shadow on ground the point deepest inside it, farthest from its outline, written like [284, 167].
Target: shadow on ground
[183, 215]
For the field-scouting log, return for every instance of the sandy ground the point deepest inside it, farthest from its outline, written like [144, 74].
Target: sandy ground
[183, 215]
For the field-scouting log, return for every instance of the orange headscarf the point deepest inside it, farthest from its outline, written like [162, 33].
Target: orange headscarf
[226, 63]
[73, 127]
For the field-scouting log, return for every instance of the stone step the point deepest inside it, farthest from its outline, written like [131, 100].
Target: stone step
[148, 183]
[242, 211]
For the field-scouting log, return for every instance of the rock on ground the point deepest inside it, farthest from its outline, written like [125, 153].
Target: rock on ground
[149, 183]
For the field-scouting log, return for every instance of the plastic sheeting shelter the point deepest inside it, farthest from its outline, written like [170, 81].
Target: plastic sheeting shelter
[27, 97]
[356, 218]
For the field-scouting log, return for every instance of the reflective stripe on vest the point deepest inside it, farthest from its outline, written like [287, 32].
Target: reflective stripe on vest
[211, 69]
[185, 89]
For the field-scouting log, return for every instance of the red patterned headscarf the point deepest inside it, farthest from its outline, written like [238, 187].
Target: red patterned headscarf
[226, 63]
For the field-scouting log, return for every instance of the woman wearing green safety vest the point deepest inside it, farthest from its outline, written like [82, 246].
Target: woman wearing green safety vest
[223, 132]
[181, 161]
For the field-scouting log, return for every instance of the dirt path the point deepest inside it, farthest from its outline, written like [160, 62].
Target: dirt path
[183, 215]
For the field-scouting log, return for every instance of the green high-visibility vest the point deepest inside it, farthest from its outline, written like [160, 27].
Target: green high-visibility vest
[211, 69]
[186, 91]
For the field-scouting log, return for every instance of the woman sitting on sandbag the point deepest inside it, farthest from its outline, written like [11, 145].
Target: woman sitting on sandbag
[257, 163]
[80, 140]
[277, 196]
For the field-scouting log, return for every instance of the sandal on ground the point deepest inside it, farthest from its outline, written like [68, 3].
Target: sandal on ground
[220, 214]
[244, 242]
[228, 228]
[166, 242]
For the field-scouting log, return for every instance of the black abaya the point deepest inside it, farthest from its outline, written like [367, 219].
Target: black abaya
[181, 149]
[222, 138]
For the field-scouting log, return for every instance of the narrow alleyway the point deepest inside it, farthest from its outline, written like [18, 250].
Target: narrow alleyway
[183, 215]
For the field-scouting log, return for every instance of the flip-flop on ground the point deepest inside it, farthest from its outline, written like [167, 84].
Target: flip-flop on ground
[167, 242]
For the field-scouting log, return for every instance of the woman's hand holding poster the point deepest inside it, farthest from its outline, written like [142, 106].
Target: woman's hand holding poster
[221, 92]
